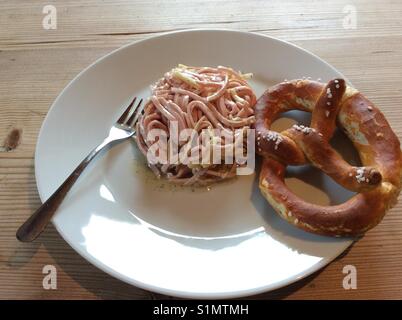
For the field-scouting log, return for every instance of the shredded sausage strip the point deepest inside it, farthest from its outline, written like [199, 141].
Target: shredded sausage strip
[198, 98]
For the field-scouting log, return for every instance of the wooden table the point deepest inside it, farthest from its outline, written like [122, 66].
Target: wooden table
[35, 65]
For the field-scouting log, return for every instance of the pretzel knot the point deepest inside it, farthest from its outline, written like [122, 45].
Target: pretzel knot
[377, 182]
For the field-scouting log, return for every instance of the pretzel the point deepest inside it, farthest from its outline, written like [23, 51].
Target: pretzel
[377, 183]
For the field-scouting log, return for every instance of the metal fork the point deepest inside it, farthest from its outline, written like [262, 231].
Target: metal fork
[123, 129]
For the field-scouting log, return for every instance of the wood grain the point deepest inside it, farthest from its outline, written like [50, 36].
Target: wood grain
[35, 65]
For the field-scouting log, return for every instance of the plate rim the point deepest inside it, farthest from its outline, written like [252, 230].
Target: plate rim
[145, 286]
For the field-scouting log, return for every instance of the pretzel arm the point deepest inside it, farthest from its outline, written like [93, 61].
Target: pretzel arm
[270, 105]
[280, 147]
[321, 154]
[353, 217]
[326, 108]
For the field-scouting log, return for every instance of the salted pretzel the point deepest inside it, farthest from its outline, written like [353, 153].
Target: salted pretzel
[377, 182]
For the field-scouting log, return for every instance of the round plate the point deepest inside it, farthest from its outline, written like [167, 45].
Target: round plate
[219, 242]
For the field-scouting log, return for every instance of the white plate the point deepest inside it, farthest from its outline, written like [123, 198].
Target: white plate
[226, 242]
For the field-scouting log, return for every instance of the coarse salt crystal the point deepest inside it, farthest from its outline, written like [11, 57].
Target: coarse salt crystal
[303, 129]
[276, 137]
[360, 175]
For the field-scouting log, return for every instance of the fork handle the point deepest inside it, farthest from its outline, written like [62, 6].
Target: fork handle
[38, 221]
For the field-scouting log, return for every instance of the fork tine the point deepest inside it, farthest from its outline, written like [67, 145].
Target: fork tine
[134, 117]
[123, 117]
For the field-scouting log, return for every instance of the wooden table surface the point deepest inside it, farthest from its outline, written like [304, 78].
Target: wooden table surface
[36, 64]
